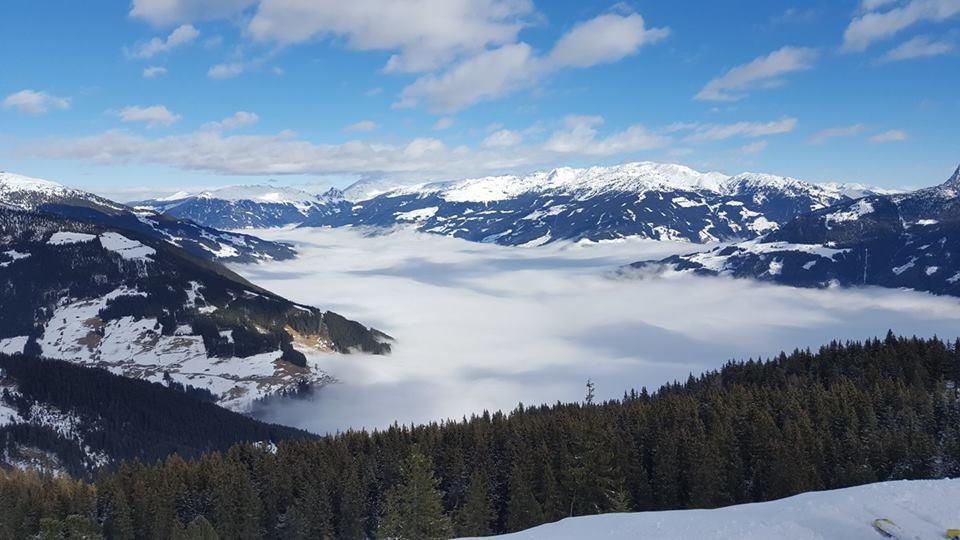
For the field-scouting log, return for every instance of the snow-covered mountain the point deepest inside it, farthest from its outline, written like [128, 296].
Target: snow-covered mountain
[648, 200]
[241, 207]
[917, 509]
[103, 296]
[907, 240]
[34, 194]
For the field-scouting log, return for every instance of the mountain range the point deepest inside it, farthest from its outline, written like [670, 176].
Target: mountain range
[909, 240]
[646, 200]
[245, 207]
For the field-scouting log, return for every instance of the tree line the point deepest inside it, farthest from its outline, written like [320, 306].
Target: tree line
[847, 414]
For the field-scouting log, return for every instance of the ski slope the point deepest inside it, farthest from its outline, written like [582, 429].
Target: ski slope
[924, 509]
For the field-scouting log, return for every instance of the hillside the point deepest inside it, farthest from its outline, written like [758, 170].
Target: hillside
[59, 417]
[37, 195]
[103, 297]
[909, 240]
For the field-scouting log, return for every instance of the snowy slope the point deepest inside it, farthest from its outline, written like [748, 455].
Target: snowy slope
[144, 308]
[923, 508]
[644, 199]
[909, 240]
[33, 194]
[238, 207]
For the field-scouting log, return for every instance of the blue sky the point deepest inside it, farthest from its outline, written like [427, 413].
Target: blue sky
[157, 95]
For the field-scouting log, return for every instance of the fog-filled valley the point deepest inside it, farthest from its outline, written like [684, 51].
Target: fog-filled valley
[481, 326]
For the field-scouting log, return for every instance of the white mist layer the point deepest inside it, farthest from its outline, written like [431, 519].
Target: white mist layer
[486, 327]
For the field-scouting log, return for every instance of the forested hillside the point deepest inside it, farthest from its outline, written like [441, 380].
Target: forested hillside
[847, 414]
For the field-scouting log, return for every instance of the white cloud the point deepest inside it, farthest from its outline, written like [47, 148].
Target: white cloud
[718, 132]
[167, 12]
[34, 102]
[443, 123]
[831, 133]
[870, 5]
[754, 147]
[761, 72]
[918, 47]
[181, 35]
[426, 33]
[226, 71]
[604, 39]
[893, 135]
[373, 92]
[457, 353]
[236, 120]
[874, 26]
[152, 72]
[580, 137]
[363, 125]
[154, 115]
[502, 138]
[497, 72]
[487, 76]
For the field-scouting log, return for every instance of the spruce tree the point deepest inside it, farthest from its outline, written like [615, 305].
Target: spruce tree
[476, 514]
[414, 508]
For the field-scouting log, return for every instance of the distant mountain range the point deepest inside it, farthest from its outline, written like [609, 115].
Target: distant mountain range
[33, 194]
[907, 240]
[244, 207]
[122, 299]
[646, 200]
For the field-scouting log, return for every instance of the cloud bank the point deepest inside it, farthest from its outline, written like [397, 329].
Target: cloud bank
[485, 327]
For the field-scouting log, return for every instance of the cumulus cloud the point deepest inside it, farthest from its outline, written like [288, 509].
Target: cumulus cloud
[873, 26]
[497, 72]
[154, 115]
[484, 327]
[153, 72]
[604, 39]
[35, 102]
[718, 132]
[918, 47]
[167, 12]
[825, 135]
[893, 135]
[427, 33]
[181, 35]
[502, 138]
[580, 137]
[363, 125]
[226, 71]
[236, 120]
[762, 72]
[443, 123]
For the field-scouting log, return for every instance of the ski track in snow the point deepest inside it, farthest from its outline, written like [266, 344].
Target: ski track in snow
[482, 326]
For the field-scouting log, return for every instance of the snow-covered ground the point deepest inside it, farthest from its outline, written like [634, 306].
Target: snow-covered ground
[482, 326]
[921, 508]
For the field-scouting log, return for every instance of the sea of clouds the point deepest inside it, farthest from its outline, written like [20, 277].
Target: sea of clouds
[482, 326]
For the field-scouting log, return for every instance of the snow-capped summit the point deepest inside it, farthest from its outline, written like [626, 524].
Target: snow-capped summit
[26, 193]
[253, 206]
[662, 201]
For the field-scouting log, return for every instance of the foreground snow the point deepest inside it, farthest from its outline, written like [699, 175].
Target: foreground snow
[922, 508]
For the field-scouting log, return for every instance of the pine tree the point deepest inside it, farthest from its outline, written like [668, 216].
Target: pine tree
[201, 529]
[414, 508]
[523, 509]
[476, 514]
